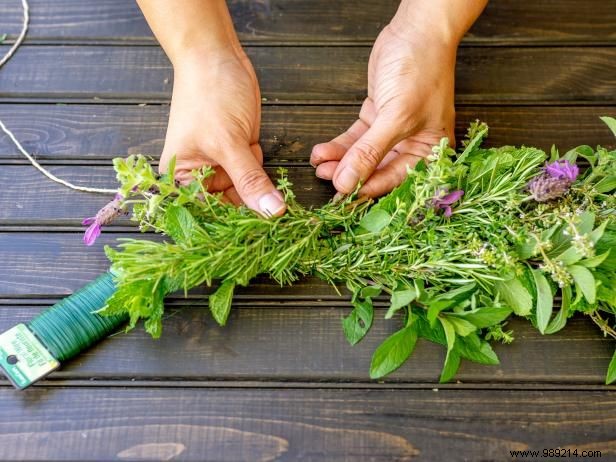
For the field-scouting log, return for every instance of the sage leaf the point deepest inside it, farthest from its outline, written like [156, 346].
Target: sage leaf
[543, 309]
[585, 281]
[400, 299]
[515, 296]
[392, 353]
[611, 371]
[375, 220]
[357, 324]
[220, 302]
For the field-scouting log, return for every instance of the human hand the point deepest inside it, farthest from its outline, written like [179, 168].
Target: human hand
[214, 120]
[409, 108]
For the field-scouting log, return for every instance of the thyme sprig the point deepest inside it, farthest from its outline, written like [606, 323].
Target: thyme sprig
[467, 240]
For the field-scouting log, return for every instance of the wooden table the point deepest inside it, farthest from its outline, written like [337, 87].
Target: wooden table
[279, 382]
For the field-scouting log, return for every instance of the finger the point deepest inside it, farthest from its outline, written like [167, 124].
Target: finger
[232, 196]
[251, 182]
[389, 176]
[365, 155]
[326, 170]
[336, 148]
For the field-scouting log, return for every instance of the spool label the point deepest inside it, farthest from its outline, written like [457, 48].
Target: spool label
[24, 358]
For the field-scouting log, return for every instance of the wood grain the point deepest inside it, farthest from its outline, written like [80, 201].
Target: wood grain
[267, 21]
[288, 133]
[286, 425]
[302, 340]
[312, 74]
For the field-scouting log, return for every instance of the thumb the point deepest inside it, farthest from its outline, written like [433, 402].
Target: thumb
[364, 156]
[251, 182]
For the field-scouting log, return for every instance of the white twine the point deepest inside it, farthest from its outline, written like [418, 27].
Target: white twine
[39, 167]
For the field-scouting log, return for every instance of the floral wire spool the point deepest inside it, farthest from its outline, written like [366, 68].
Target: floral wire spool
[28, 352]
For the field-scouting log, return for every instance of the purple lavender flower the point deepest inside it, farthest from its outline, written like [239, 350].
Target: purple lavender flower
[443, 200]
[562, 169]
[555, 180]
[104, 217]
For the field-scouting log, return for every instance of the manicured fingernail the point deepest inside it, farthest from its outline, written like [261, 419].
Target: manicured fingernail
[271, 204]
[347, 180]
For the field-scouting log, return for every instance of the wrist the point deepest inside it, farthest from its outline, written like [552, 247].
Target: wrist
[441, 21]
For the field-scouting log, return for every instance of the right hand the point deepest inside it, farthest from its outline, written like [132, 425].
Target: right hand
[214, 120]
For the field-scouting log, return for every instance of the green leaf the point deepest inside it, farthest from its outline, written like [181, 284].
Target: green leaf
[587, 222]
[515, 296]
[570, 256]
[451, 366]
[597, 233]
[543, 309]
[392, 353]
[462, 326]
[526, 249]
[560, 320]
[2, 38]
[370, 291]
[611, 371]
[595, 261]
[357, 324]
[474, 349]
[400, 299]
[450, 333]
[220, 302]
[606, 185]
[485, 316]
[610, 122]
[375, 220]
[585, 281]
[179, 224]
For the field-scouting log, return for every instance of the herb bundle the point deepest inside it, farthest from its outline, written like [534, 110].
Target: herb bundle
[467, 240]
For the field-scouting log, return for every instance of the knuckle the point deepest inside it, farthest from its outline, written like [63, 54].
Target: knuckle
[369, 155]
[252, 180]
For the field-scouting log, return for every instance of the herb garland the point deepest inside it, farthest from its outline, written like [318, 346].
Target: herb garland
[466, 241]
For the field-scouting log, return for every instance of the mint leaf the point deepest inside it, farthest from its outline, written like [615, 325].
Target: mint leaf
[543, 309]
[486, 316]
[610, 122]
[451, 366]
[560, 320]
[585, 281]
[515, 296]
[180, 224]
[400, 299]
[220, 302]
[392, 353]
[356, 325]
[370, 291]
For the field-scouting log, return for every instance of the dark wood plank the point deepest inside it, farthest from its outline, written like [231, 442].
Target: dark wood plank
[302, 340]
[35, 199]
[312, 74]
[101, 132]
[317, 20]
[289, 425]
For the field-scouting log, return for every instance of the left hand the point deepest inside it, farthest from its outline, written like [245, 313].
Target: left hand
[409, 108]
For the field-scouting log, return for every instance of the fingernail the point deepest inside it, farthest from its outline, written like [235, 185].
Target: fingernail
[271, 204]
[347, 180]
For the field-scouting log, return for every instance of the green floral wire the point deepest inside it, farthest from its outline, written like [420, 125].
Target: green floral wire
[73, 324]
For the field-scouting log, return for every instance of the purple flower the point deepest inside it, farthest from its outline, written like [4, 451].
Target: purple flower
[443, 200]
[104, 217]
[562, 168]
[554, 182]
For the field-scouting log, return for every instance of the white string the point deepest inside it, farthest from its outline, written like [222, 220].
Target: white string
[46, 172]
[22, 34]
[21, 149]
